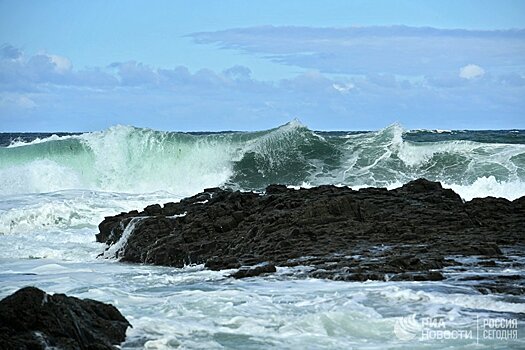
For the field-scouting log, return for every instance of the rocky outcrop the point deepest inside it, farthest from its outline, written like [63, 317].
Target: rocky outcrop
[32, 319]
[404, 234]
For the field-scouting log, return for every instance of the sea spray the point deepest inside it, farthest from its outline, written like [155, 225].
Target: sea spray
[118, 247]
[132, 160]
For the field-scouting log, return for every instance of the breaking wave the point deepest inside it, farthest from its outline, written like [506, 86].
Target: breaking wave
[134, 160]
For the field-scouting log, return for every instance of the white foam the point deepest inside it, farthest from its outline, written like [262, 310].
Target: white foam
[190, 308]
[54, 137]
[53, 215]
[24, 214]
[38, 176]
[466, 301]
[143, 160]
[119, 159]
[472, 169]
[66, 244]
[489, 186]
[116, 250]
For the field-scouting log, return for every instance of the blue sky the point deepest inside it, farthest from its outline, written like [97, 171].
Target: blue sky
[245, 65]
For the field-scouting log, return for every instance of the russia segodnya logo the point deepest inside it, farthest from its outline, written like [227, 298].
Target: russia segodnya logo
[407, 327]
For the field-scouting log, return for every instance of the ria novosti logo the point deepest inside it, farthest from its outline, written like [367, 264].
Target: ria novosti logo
[435, 328]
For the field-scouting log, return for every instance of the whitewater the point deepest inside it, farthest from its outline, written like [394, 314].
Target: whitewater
[56, 189]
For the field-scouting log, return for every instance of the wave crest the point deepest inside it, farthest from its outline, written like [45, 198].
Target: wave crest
[135, 160]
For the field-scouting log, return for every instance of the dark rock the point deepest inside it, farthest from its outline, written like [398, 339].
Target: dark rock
[32, 319]
[154, 209]
[403, 234]
[252, 271]
[276, 189]
[488, 263]
[111, 228]
[222, 263]
[419, 276]
[421, 186]
[360, 277]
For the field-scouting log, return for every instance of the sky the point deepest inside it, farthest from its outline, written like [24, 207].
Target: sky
[252, 65]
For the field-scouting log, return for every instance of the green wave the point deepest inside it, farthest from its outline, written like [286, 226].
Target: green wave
[135, 160]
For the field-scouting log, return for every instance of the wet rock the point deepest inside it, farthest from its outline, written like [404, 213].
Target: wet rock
[500, 288]
[222, 263]
[154, 209]
[373, 233]
[360, 277]
[420, 276]
[33, 319]
[112, 227]
[488, 263]
[252, 271]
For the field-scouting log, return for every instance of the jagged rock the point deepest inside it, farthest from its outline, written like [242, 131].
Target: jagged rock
[252, 271]
[217, 263]
[343, 234]
[32, 319]
[419, 276]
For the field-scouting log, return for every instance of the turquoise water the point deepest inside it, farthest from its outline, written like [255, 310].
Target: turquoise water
[133, 160]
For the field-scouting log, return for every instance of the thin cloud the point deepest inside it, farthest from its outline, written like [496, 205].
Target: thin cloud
[364, 50]
[8, 51]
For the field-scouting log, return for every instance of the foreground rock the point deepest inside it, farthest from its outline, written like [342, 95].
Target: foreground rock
[404, 234]
[32, 319]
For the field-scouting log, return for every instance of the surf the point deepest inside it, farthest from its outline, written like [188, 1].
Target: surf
[127, 159]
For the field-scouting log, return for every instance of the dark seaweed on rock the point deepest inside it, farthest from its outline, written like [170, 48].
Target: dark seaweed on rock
[343, 234]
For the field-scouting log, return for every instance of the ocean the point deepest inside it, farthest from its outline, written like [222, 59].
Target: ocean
[55, 188]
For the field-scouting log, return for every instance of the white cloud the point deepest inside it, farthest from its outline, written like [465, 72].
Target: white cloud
[471, 71]
[343, 88]
[62, 64]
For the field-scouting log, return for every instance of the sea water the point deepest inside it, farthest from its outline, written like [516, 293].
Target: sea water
[56, 189]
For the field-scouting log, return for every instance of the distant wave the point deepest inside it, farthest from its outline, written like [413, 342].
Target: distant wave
[134, 160]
